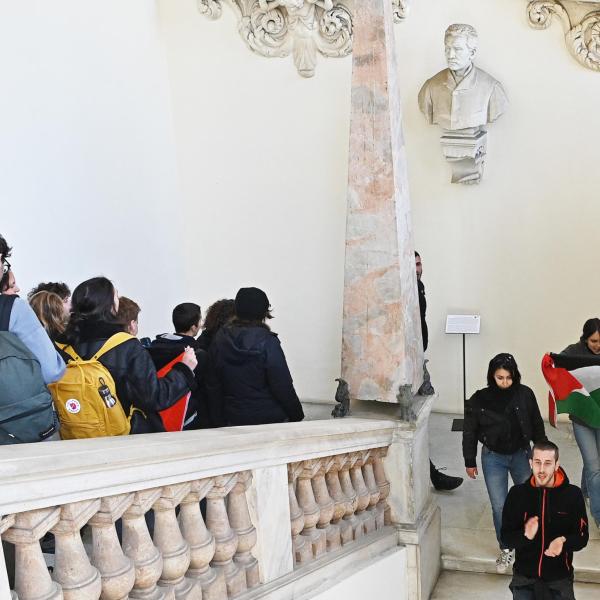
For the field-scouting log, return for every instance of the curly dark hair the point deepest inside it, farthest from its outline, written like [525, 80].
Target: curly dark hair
[5, 249]
[56, 287]
[219, 314]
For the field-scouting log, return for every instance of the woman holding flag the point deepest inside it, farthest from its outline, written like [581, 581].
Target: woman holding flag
[505, 418]
[587, 434]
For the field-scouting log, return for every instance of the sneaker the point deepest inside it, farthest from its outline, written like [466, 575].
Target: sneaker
[505, 559]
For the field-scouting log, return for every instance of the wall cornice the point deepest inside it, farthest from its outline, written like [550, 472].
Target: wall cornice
[581, 23]
[301, 28]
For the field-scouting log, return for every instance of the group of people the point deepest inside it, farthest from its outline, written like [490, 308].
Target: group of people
[233, 373]
[542, 520]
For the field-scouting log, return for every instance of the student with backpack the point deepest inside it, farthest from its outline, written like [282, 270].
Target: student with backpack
[28, 361]
[167, 347]
[111, 386]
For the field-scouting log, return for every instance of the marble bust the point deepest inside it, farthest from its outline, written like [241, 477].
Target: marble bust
[462, 96]
[463, 99]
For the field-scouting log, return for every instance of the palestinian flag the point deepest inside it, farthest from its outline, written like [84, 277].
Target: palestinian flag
[574, 386]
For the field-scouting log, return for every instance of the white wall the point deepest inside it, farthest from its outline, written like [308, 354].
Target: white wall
[156, 148]
[263, 154]
[88, 180]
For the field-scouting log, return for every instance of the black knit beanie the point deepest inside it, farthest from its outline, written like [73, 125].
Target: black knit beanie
[251, 304]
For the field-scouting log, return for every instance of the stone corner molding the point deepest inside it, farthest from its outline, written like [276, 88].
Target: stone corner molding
[302, 28]
[581, 22]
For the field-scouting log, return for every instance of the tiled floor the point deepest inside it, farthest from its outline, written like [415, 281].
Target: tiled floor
[468, 540]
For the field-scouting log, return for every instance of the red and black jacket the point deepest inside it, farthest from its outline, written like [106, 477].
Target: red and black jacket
[561, 512]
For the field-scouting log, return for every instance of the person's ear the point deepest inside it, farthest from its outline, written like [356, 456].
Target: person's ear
[531, 464]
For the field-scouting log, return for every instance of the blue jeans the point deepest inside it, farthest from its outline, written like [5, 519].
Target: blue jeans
[588, 440]
[496, 468]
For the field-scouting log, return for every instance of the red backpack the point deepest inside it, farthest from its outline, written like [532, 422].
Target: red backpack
[173, 418]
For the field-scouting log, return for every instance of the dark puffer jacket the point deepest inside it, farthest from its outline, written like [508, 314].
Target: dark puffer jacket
[561, 512]
[489, 427]
[248, 380]
[135, 375]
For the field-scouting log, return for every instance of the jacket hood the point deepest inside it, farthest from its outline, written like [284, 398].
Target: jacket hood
[238, 344]
[560, 479]
[173, 338]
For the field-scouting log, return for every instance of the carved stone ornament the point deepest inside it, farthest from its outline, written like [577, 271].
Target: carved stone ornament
[581, 22]
[302, 28]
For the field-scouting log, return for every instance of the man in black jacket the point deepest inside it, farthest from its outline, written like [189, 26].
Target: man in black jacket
[439, 480]
[545, 521]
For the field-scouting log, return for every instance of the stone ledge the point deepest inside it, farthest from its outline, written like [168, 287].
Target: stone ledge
[320, 575]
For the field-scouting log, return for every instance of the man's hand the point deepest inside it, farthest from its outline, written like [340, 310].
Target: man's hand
[472, 472]
[531, 527]
[556, 547]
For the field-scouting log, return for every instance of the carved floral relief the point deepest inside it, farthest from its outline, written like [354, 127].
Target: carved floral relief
[580, 21]
[301, 28]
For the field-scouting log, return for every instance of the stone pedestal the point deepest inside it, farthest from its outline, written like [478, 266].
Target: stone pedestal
[381, 346]
[465, 150]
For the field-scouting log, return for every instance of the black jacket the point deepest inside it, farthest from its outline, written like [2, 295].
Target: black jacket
[163, 349]
[135, 375]
[423, 311]
[248, 380]
[561, 512]
[489, 427]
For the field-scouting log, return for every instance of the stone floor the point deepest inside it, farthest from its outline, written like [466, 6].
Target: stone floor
[468, 540]
[474, 586]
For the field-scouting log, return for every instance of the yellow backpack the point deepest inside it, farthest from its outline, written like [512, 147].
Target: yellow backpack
[86, 397]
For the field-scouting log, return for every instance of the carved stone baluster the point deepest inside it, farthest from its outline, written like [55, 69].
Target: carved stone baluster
[369, 477]
[342, 504]
[138, 546]
[383, 484]
[226, 538]
[5, 523]
[239, 518]
[301, 550]
[116, 569]
[306, 500]
[350, 493]
[362, 493]
[202, 543]
[72, 568]
[326, 505]
[174, 549]
[32, 580]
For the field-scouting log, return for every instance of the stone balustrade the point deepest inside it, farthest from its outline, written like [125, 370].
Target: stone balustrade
[189, 516]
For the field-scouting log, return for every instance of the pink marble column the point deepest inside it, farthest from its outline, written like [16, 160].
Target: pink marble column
[381, 345]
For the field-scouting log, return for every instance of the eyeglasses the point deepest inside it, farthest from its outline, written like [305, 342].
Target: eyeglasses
[5, 266]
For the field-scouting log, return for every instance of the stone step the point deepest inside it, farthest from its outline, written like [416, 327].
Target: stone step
[475, 551]
[474, 586]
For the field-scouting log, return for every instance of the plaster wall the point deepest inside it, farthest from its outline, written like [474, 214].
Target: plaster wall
[263, 154]
[143, 141]
[88, 176]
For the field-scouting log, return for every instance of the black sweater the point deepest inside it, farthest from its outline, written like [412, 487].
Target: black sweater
[561, 512]
[503, 432]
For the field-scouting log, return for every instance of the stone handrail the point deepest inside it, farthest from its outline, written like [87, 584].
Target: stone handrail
[210, 514]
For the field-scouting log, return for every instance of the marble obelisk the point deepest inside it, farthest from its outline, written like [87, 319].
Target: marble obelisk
[382, 349]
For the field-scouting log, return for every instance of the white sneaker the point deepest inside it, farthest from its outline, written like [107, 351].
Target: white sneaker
[505, 559]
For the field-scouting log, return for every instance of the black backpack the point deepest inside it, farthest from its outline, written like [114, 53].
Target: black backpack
[26, 413]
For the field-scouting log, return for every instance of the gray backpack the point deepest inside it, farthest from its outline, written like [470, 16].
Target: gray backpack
[26, 413]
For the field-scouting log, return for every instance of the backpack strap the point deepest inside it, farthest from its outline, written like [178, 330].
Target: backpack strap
[69, 350]
[6, 304]
[112, 342]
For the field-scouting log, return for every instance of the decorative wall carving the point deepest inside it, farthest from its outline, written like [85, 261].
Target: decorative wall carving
[302, 28]
[581, 22]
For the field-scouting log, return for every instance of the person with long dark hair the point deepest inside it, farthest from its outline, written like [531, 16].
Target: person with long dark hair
[93, 321]
[219, 313]
[249, 382]
[588, 438]
[505, 418]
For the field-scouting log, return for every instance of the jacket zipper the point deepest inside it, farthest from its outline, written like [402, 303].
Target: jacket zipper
[543, 519]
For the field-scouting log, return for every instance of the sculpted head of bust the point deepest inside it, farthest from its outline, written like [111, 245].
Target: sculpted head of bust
[460, 41]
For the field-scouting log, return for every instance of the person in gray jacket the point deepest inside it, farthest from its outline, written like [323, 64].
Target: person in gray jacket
[588, 438]
[25, 325]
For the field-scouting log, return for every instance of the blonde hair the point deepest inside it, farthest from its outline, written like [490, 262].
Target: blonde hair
[50, 310]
